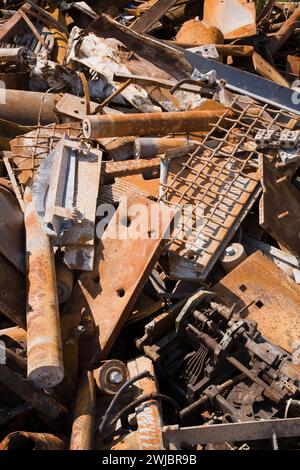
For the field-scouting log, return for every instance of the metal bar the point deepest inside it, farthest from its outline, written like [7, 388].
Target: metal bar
[232, 432]
[246, 83]
[145, 124]
[44, 346]
[82, 436]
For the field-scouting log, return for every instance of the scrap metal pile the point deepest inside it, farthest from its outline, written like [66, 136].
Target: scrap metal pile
[150, 225]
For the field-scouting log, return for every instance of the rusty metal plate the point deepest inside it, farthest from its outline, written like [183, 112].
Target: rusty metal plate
[122, 266]
[275, 297]
[280, 207]
[148, 415]
[235, 18]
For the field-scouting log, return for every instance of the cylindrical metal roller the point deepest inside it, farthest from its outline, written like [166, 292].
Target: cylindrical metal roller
[110, 376]
[233, 256]
[25, 107]
[44, 345]
[82, 436]
[65, 281]
[148, 147]
[146, 124]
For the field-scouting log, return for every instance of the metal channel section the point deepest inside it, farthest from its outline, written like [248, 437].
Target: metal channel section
[234, 432]
[219, 183]
[243, 83]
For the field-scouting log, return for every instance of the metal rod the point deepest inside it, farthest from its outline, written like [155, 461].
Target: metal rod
[44, 346]
[146, 124]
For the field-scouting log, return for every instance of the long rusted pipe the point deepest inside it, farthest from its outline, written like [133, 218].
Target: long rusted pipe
[26, 108]
[285, 32]
[44, 345]
[82, 436]
[146, 124]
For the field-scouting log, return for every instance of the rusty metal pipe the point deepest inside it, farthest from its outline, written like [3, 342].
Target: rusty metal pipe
[21, 440]
[82, 436]
[24, 107]
[44, 345]
[148, 147]
[146, 124]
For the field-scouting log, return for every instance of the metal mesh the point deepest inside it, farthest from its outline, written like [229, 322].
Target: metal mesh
[219, 182]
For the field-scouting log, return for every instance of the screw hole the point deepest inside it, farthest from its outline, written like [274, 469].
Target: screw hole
[121, 292]
[243, 288]
[259, 304]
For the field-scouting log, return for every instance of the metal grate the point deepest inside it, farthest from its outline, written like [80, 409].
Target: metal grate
[146, 21]
[219, 183]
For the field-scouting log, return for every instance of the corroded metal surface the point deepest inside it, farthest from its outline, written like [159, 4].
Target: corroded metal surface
[148, 123]
[148, 415]
[45, 361]
[109, 292]
[280, 206]
[82, 436]
[235, 18]
[274, 297]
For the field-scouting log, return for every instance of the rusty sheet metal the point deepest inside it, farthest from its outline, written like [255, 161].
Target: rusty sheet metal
[108, 293]
[146, 124]
[73, 107]
[162, 56]
[112, 193]
[12, 293]
[82, 436]
[235, 18]
[279, 206]
[274, 297]
[12, 233]
[28, 150]
[22, 440]
[148, 415]
[37, 399]
[44, 347]
[149, 184]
